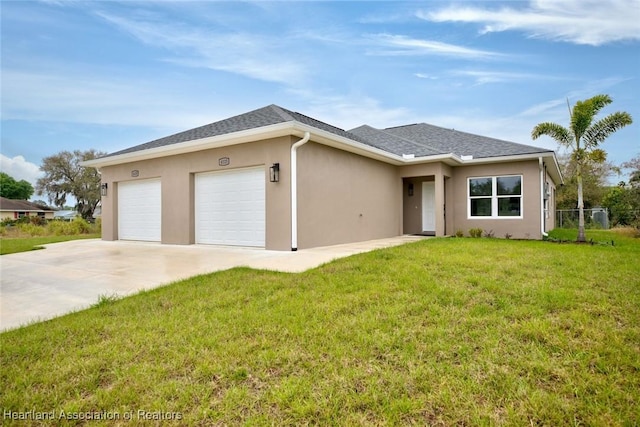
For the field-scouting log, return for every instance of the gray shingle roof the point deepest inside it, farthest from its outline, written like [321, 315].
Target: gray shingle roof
[392, 143]
[418, 139]
[447, 141]
[269, 115]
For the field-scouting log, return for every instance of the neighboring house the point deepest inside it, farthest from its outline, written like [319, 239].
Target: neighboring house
[215, 184]
[66, 215]
[16, 209]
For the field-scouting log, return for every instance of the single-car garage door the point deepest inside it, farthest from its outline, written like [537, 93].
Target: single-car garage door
[230, 207]
[139, 210]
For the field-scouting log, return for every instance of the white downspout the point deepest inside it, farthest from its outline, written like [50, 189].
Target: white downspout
[541, 165]
[294, 190]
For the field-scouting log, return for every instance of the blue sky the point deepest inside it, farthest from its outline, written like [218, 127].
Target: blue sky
[112, 74]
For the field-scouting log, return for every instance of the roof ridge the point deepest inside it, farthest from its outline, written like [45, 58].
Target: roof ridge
[282, 112]
[409, 140]
[470, 134]
[291, 114]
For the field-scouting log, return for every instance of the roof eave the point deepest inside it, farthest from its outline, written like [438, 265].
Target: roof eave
[554, 170]
[241, 137]
[318, 135]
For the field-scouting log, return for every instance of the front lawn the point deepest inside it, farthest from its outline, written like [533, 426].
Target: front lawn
[438, 332]
[29, 233]
[24, 244]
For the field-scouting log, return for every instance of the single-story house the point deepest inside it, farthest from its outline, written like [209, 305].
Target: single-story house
[281, 180]
[16, 209]
[66, 215]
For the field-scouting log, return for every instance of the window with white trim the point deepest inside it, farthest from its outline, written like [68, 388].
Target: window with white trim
[495, 197]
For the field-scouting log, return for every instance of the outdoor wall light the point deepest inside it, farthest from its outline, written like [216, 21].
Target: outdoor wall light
[274, 172]
[103, 189]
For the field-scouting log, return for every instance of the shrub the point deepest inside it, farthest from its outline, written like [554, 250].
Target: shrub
[32, 229]
[79, 226]
[57, 228]
[459, 233]
[475, 232]
[489, 234]
[36, 220]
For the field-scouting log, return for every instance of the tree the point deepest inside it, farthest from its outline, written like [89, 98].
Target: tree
[634, 178]
[12, 189]
[583, 138]
[623, 203]
[65, 177]
[594, 182]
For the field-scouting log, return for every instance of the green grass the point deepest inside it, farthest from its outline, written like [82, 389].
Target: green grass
[439, 332]
[24, 244]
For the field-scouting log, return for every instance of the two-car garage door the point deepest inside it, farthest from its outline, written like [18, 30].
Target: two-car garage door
[230, 207]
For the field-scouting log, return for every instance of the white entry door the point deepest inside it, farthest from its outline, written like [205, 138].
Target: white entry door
[140, 210]
[428, 206]
[230, 207]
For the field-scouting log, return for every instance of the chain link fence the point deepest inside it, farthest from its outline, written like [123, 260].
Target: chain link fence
[593, 218]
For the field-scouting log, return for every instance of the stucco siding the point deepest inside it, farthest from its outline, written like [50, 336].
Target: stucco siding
[550, 211]
[177, 182]
[13, 214]
[527, 227]
[343, 197]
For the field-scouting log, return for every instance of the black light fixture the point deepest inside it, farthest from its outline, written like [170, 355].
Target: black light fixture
[274, 172]
[103, 189]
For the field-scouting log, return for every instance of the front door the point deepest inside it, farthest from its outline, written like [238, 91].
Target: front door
[428, 207]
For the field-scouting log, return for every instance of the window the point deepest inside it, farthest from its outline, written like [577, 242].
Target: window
[495, 197]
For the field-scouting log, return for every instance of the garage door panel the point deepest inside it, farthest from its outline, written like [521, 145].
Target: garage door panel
[140, 210]
[230, 207]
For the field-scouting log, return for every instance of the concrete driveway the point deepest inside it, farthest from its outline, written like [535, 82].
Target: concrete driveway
[69, 276]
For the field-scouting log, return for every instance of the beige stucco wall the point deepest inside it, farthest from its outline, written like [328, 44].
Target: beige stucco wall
[12, 214]
[550, 212]
[343, 197]
[177, 181]
[527, 227]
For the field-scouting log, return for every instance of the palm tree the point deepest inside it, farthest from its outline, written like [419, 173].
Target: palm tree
[583, 137]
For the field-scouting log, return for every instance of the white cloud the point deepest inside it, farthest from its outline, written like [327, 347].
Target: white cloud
[19, 168]
[484, 77]
[403, 45]
[84, 96]
[425, 76]
[258, 56]
[590, 22]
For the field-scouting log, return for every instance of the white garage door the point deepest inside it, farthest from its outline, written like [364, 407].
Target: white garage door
[139, 210]
[230, 207]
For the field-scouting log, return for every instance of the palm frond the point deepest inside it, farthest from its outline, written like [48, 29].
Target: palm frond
[585, 111]
[604, 127]
[561, 134]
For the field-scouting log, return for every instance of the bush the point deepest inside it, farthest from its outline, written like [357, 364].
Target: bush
[32, 229]
[459, 233]
[475, 232]
[79, 226]
[57, 227]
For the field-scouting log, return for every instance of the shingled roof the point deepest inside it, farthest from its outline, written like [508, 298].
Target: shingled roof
[21, 206]
[269, 115]
[421, 140]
